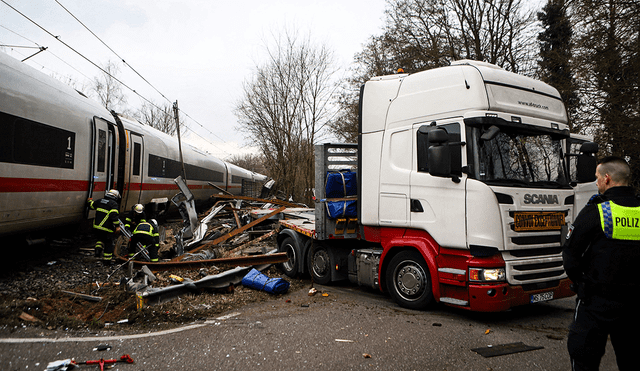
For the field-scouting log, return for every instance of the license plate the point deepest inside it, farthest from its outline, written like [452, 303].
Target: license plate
[543, 296]
[538, 221]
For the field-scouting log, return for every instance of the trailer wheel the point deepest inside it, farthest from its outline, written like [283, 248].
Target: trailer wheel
[320, 264]
[290, 267]
[408, 280]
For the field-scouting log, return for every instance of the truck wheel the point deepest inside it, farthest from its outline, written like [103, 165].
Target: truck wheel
[290, 267]
[320, 264]
[408, 280]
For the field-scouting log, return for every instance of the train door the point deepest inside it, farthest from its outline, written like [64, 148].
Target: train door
[136, 164]
[103, 165]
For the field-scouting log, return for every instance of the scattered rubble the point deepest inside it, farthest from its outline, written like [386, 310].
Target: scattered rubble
[77, 293]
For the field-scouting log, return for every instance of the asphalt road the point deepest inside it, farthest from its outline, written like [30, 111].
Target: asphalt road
[350, 329]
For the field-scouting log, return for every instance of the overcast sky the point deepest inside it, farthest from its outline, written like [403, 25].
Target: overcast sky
[197, 52]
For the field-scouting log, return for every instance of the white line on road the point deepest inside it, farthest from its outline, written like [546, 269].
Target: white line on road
[117, 337]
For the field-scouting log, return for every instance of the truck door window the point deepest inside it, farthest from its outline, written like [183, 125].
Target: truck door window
[456, 159]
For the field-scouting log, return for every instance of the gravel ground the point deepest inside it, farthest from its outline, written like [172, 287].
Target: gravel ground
[32, 280]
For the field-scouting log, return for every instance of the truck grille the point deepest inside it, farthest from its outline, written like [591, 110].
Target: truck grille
[533, 258]
[535, 270]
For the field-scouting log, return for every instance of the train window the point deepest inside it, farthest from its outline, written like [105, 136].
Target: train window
[167, 168]
[236, 179]
[137, 149]
[33, 143]
[102, 150]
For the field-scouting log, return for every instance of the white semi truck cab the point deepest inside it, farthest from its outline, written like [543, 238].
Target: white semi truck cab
[466, 176]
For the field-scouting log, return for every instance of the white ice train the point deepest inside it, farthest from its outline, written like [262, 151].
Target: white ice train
[58, 147]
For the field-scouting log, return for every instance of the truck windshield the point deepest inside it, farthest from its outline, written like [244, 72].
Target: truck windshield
[512, 158]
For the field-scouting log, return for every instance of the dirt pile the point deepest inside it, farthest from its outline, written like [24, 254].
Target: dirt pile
[37, 286]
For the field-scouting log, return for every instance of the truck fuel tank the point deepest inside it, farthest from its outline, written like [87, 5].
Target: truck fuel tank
[363, 267]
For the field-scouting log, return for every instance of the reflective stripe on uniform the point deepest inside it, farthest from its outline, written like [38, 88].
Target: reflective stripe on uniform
[146, 228]
[105, 219]
[619, 222]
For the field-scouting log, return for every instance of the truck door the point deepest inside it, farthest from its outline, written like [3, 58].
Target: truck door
[438, 203]
[136, 164]
[103, 163]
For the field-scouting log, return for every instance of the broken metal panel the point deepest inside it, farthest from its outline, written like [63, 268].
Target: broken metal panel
[203, 227]
[194, 231]
[234, 232]
[154, 296]
[187, 207]
[184, 189]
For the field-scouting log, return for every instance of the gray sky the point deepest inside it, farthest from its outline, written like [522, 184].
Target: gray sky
[197, 52]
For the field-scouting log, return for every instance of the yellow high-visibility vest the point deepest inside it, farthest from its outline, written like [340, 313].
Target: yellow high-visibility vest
[620, 222]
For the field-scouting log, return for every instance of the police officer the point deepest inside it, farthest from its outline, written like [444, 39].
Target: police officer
[601, 257]
[134, 217]
[106, 223]
[146, 233]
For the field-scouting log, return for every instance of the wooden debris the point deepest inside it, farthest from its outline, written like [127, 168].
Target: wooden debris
[82, 296]
[27, 317]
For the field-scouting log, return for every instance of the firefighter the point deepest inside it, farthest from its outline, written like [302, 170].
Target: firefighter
[601, 254]
[106, 223]
[134, 217]
[146, 233]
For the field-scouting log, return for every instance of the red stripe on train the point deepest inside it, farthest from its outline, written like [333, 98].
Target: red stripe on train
[9, 185]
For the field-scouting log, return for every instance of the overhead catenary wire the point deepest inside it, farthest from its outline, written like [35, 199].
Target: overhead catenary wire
[113, 51]
[134, 70]
[48, 50]
[74, 50]
[108, 74]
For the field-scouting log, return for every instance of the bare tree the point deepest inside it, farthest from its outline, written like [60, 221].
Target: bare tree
[107, 89]
[424, 34]
[250, 161]
[285, 107]
[159, 116]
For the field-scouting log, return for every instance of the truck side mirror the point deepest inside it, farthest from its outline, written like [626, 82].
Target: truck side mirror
[439, 154]
[586, 166]
[589, 147]
[490, 133]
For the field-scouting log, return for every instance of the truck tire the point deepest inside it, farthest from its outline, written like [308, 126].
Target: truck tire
[319, 264]
[290, 267]
[408, 280]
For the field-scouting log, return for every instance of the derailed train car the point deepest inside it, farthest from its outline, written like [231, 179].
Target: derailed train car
[58, 148]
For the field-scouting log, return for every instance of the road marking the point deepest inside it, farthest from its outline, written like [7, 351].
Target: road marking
[115, 337]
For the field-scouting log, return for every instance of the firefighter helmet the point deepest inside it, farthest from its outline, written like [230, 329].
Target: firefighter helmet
[138, 208]
[113, 194]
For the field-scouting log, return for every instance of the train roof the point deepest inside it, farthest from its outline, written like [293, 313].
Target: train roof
[21, 80]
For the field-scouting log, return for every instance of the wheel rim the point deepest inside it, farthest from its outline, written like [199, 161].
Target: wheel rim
[410, 280]
[320, 263]
[290, 264]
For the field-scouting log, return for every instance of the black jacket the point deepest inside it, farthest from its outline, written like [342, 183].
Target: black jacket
[604, 267]
[107, 215]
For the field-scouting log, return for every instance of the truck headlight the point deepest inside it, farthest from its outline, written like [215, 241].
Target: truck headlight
[487, 275]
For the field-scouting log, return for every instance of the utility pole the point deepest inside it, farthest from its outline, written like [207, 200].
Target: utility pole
[177, 119]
